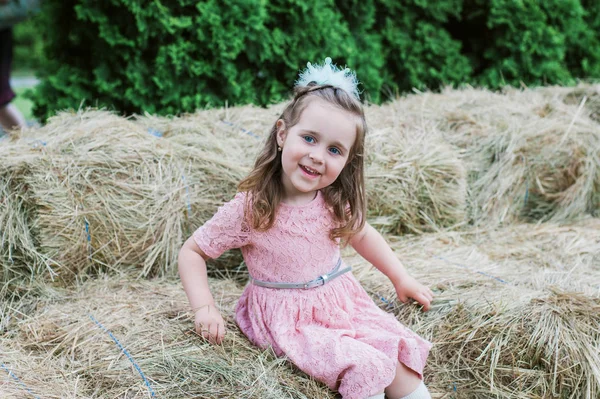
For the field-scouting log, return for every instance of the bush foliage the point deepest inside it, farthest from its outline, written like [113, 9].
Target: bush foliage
[169, 57]
[27, 45]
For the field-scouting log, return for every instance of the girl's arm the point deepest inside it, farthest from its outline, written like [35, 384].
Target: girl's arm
[192, 271]
[372, 246]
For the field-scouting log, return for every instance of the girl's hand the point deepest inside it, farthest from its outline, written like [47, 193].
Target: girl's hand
[408, 287]
[209, 324]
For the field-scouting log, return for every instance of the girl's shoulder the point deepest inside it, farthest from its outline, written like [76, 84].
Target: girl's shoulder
[237, 199]
[236, 206]
[241, 197]
[243, 201]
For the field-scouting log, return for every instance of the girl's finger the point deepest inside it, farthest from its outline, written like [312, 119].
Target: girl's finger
[214, 337]
[217, 336]
[205, 332]
[220, 333]
[213, 332]
[423, 300]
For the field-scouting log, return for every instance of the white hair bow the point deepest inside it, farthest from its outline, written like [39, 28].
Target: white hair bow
[330, 74]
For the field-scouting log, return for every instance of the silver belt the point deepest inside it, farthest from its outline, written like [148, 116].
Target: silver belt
[321, 280]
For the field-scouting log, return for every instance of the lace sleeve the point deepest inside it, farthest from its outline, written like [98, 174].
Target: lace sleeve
[227, 229]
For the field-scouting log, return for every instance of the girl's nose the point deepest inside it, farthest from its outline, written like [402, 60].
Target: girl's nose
[316, 157]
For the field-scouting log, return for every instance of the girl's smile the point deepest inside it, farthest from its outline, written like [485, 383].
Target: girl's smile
[310, 172]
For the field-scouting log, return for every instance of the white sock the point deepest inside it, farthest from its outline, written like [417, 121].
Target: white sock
[378, 396]
[420, 393]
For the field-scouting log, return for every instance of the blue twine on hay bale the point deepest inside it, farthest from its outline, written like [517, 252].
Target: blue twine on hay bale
[14, 377]
[139, 370]
[248, 132]
[155, 132]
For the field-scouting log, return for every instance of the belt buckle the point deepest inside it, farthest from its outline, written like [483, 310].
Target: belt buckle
[321, 280]
[324, 278]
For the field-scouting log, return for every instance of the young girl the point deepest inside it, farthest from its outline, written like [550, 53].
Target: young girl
[303, 199]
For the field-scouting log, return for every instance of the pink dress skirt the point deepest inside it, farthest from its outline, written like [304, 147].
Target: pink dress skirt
[335, 333]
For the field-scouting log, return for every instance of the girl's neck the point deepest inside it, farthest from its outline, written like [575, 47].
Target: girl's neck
[300, 200]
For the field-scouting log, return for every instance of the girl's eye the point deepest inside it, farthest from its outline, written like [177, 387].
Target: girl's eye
[309, 139]
[335, 151]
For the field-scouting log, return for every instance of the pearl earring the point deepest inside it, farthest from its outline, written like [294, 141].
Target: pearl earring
[278, 148]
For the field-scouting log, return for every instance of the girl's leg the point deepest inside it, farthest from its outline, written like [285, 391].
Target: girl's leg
[405, 382]
[406, 385]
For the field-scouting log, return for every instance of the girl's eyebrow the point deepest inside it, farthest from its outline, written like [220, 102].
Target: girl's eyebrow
[337, 143]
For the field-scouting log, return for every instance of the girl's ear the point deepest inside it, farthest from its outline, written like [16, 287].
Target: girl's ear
[281, 132]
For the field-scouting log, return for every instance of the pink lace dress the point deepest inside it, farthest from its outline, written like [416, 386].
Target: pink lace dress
[334, 332]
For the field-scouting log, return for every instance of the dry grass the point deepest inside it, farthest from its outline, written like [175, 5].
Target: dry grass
[61, 347]
[530, 155]
[516, 313]
[416, 181]
[101, 192]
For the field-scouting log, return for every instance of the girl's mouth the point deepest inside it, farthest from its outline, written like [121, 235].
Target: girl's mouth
[309, 172]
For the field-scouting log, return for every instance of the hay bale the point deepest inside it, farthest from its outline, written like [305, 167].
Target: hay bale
[415, 181]
[101, 186]
[24, 375]
[516, 312]
[105, 193]
[528, 157]
[151, 320]
[249, 123]
[19, 255]
[543, 346]
[420, 186]
[584, 95]
[540, 175]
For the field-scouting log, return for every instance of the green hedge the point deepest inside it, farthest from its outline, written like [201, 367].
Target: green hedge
[168, 57]
[27, 45]
[530, 42]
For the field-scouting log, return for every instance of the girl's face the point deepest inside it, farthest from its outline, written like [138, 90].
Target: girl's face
[315, 150]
